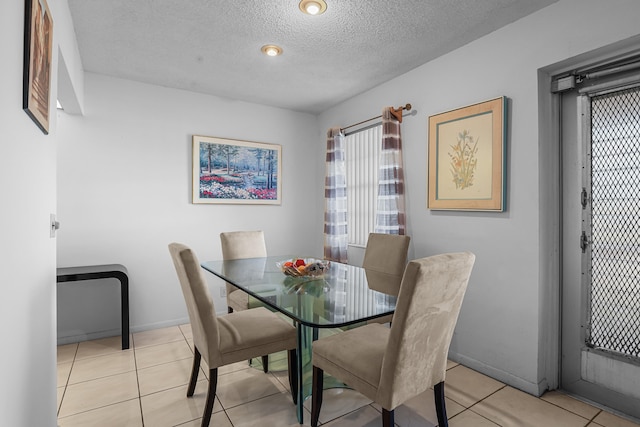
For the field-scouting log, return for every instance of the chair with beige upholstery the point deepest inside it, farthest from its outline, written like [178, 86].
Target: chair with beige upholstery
[231, 338]
[385, 258]
[393, 365]
[241, 245]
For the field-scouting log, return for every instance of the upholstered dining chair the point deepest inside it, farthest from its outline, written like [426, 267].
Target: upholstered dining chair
[393, 365]
[231, 338]
[385, 258]
[241, 245]
[386, 255]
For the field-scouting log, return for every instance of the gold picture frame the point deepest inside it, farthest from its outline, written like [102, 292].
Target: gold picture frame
[231, 171]
[38, 42]
[467, 160]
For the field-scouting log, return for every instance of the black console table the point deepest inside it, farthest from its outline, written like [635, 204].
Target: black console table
[92, 272]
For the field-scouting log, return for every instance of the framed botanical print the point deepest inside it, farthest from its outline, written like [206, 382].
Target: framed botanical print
[467, 158]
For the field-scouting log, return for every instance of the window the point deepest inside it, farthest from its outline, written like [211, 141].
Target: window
[362, 153]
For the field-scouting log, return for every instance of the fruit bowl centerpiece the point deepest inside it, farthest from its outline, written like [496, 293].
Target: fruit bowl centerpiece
[303, 267]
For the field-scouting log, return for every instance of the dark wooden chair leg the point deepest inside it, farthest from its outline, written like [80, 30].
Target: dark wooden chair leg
[293, 374]
[194, 373]
[387, 418]
[265, 363]
[316, 395]
[211, 397]
[292, 358]
[441, 408]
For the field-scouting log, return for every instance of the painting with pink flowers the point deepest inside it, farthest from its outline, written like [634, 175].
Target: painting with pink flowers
[233, 171]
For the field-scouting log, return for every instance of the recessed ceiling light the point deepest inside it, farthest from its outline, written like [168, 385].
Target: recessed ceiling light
[271, 50]
[313, 7]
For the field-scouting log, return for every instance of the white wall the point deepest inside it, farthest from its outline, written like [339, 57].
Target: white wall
[502, 329]
[124, 193]
[28, 196]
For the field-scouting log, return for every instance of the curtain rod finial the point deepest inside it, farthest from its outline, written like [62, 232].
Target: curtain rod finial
[397, 112]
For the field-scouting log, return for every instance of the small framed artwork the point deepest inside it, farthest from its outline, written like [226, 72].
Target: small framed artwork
[233, 171]
[38, 42]
[467, 158]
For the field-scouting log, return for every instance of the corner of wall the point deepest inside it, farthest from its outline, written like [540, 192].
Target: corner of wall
[69, 94]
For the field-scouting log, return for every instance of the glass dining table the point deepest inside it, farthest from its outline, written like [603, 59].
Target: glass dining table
[345, 296]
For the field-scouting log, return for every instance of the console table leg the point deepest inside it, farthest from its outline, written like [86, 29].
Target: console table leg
[124, 300]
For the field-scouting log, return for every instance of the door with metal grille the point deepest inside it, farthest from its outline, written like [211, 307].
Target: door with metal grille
[601, 244]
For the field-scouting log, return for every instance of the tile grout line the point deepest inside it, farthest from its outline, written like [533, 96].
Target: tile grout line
[595, 416]
[199, 369]
[135, 363]
[99, 378]
[589, 420]
[474, 412]
[484, 398]
[64, 392]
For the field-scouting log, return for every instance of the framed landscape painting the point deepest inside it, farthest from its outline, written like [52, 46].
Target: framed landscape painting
[232, 171]
[467, 158]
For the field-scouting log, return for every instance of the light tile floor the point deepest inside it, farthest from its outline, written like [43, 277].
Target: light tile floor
[101, 385]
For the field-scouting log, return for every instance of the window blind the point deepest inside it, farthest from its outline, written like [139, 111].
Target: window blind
[362, 152]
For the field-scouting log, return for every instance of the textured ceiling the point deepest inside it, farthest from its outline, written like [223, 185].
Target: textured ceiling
[213, 46]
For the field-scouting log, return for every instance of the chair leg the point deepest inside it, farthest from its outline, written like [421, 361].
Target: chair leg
[265, 363]
[441, 408]
[316, 395]
[293, 374]
[211, 397]
[387, 418]
[194, 373]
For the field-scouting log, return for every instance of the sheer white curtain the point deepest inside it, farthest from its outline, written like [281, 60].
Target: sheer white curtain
[390, 216]
[335, 195]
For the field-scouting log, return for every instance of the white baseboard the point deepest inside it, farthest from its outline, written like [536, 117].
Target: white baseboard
[87, 336]
[535, 389]
[79, 336]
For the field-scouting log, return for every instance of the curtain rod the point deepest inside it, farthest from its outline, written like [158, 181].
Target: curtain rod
[397, 113]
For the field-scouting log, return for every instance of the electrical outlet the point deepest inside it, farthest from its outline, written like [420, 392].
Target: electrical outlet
[223, 291]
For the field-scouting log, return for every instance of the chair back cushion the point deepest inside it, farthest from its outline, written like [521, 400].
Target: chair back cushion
[428, 305]
[385, 259]
[243, 244]
[202, 313]
[240, 245]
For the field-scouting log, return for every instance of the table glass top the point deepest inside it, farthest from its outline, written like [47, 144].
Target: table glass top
[343, 296]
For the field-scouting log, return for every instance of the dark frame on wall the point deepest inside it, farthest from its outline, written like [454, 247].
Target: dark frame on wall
[38, 45]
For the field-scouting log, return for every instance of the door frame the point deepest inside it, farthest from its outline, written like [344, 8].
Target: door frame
[595, 374]
[550, 202]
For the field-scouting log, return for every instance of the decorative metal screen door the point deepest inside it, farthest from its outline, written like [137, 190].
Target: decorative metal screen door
[601, 247]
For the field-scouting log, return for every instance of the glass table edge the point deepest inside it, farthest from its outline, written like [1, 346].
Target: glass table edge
[293, 316]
